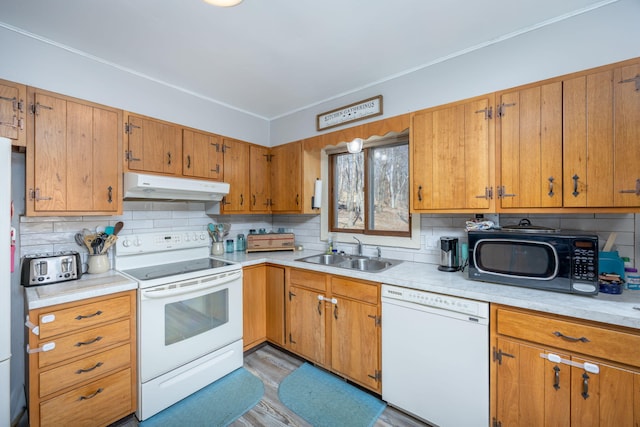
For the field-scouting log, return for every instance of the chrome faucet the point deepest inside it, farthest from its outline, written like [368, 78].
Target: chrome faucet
[379, 251]
[359, 245]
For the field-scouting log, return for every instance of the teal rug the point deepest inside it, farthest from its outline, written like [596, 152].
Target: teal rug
[218, 404]
[325, 400]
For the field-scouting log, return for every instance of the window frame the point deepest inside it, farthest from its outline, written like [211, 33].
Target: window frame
[367, 153]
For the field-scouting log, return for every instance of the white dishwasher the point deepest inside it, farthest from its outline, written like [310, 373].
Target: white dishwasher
[435, 356]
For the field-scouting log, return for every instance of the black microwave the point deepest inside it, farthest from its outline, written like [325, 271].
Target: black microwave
[558, 261]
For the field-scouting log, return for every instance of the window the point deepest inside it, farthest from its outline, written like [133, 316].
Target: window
[369, 191]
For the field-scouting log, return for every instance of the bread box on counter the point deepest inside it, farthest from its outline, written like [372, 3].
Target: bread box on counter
[270, 242]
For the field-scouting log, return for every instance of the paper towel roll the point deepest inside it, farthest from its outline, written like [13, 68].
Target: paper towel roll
[317, 195]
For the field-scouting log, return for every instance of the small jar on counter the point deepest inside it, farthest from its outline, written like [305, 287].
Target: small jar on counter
[240, 243]
[229, 246]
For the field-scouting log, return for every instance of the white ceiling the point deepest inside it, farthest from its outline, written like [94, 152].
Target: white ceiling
[270, 58]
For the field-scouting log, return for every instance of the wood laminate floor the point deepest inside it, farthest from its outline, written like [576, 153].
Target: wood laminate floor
[272, 365]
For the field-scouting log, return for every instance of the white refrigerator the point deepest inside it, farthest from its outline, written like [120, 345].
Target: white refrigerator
[5, 278]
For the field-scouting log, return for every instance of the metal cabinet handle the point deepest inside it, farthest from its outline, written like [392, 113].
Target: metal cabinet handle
[241, 200]
[502, 193]
[319, 308]
[110, 194]
[84, 371]
[80, 344]
[550, 193]
[88, 316]
[420, 193]
[556, 377]
[297, 200]
[188, 161]
[335, 311]
[488, 194]
[585, 386]
[169, 158]
[575, 179]
[254, 199]
[570, 338]
[91, 396]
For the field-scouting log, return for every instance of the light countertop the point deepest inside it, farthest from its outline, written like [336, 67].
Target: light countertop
[88, 286]
[622, 310]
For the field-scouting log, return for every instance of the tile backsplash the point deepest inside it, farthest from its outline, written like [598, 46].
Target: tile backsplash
[51, 234]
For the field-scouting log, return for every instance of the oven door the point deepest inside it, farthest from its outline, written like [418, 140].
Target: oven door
[181, 321]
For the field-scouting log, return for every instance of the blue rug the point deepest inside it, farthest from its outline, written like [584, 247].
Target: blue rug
[218, 404]
[325, 400]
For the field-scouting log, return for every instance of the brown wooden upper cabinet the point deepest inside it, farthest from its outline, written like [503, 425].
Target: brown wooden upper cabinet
[73, 164]
[202, 155]
[13, 104]
[259, 177]
[286, 178]
[602, 137]
[452, 157]
[153, 145]
[529, 136]
[236, 173]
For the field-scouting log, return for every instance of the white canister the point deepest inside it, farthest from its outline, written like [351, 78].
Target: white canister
[98, 264]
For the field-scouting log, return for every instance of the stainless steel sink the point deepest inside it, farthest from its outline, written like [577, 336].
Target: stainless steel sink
[352, 262]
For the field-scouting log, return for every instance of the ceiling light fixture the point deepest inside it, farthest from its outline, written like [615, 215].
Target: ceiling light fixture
[224, 3]
[355, 146]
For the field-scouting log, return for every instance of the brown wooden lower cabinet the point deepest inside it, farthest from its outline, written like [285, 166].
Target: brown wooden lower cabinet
[334, 322]
[558, 382]
[89, 377]
[263, 305]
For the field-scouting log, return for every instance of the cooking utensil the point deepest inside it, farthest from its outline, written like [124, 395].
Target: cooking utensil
[610, 241]
[88, 241]
[108, 230]
[108, 242]
[79, 239]
[118, 227]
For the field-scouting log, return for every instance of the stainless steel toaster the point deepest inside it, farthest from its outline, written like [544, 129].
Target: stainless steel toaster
[42, 269]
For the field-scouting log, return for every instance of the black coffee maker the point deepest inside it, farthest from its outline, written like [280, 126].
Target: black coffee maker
[449, 258]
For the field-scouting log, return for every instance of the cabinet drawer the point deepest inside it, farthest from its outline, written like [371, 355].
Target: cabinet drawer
[572, 336]
[85, 342]
[308, 279]
[83, 316]
[84, 370]
[96, 404]
[365, 292]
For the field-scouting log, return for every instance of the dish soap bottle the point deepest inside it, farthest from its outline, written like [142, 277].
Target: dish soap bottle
[330, 243]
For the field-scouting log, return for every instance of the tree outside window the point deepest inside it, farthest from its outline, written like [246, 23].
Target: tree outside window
[370, 191]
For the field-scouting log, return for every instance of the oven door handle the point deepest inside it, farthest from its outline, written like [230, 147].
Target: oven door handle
[156, 293]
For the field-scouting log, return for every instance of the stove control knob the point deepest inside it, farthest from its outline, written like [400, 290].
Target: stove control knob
[126, 243]
[195, 237]
[186, 238]
[137, 242]
[202, 236]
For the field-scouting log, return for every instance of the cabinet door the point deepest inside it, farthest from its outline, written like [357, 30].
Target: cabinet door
[259, 176]
[626, 110]
[254, 306]
[275, 305]
[236, 173]
[530, 145]
[153, 146]
[306, 324]
[451, 156]
[530, 390]
[601, 131]
[286, 179]
[74, 162]
[355, 341]
[12, 112]
[201, 155]
[605, 398]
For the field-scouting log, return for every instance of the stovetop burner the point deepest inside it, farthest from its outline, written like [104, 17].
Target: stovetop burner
[175, 268]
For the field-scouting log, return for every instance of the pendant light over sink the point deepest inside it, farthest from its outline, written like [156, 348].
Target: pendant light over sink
[223, 3]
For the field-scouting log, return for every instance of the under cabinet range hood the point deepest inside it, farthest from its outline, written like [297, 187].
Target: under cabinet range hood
[146, 186]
